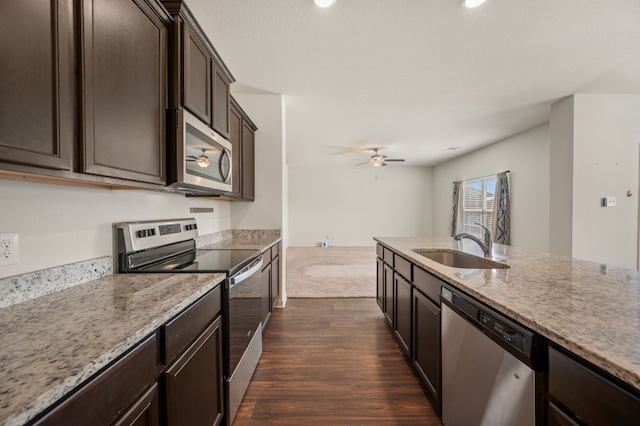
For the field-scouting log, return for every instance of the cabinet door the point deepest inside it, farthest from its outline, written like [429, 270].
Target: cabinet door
[389, 299]
[194, 382]
[248, 162]
[221, 98]
[404, 302]
[37, 83]
[380, 283]
[144, 412]
[266, 289]
[124, 89]
[426, 342]
[275, 281]
[196, 75]
[235, 137]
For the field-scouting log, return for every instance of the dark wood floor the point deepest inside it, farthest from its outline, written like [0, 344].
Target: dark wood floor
[333, 362]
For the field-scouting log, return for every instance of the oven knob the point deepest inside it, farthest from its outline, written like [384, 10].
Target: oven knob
[140, 234]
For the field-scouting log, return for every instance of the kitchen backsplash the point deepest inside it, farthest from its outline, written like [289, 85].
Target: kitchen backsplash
[28, 286]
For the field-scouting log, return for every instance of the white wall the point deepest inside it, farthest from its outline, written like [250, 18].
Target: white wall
[58, 225]
[605, 163]
[561, 129]
[351, 204]
[526, 155]
[267, 211]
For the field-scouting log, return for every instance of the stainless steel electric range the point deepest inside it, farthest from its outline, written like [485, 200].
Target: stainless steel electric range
[168, 246]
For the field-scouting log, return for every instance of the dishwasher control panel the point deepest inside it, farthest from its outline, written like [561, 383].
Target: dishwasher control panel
[507, 333]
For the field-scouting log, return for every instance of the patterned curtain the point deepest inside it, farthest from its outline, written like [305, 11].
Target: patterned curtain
[457, 223]
[502, 211]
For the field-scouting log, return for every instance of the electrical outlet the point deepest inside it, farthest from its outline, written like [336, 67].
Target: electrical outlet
[9, 249]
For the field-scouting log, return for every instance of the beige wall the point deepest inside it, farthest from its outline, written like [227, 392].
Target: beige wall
[527, 157]
[350, 204]
[604, 156]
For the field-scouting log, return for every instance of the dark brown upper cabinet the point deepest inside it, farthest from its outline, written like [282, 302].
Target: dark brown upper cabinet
[124, 89]
[84, 90]
[242, 132]
[235, 137]
[200, 79]
[37, 84]
[196, 84]
[248, 160]
[221, 99]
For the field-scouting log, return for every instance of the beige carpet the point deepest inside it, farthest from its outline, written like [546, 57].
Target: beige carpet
[331, 272]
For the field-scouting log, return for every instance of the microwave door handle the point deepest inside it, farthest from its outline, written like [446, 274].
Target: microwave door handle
[249, 270]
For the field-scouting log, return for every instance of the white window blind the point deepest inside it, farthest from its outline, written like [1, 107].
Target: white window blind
[478, 197]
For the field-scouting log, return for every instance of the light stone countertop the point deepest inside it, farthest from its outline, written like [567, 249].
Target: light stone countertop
[593, 310]
[246, 241]
[51, 344]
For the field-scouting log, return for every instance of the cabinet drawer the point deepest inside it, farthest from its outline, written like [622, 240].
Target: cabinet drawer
[387, 256]
[187, 325]
[403, 267]
[380, 251]
[427, 284]
[275, 250]
[104, 398]
[589, 395]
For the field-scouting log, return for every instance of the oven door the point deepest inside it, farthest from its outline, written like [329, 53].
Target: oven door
[244, 332]
[205, 157]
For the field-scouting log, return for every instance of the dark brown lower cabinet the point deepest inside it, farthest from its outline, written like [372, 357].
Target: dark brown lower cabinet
[578, 394]
[404, 302]
[389, 298]
[380, 283]
[275, 281]
[144, 412]
[426, 342]
[266, 289]
[106, 399]
[194, 382]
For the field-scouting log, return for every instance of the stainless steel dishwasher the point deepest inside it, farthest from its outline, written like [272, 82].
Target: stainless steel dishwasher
[492, 368]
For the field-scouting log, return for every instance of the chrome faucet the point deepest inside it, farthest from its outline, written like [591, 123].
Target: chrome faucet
[485, 245]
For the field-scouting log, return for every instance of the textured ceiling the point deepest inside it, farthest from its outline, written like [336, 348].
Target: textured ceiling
[415, 77]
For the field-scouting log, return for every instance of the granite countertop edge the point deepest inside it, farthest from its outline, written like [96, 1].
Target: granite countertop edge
[595, 351]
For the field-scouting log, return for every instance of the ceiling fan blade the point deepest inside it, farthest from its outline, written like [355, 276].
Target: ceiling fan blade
[394, 159]
[362, 164]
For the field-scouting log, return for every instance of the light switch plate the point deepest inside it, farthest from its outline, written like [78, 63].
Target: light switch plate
[9, 248]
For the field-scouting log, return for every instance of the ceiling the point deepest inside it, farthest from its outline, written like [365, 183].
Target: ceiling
[415, 77]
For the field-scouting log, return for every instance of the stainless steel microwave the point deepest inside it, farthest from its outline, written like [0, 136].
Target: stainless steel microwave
[200, 163]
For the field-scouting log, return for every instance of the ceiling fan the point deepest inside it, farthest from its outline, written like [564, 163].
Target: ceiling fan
[201, 160]
[378, 160]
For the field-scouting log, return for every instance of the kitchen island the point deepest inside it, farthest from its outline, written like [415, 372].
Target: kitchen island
[592, 310]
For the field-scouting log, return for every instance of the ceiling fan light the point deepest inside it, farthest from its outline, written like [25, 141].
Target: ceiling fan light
[376, 162]
[324, 3]
[470, 4]
[203, 161]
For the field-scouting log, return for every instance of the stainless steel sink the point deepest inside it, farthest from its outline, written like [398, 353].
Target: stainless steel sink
[459, 259]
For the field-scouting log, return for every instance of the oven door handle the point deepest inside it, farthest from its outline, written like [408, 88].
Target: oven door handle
[246, 272]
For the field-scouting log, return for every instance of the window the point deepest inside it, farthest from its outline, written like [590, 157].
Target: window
[477, 204]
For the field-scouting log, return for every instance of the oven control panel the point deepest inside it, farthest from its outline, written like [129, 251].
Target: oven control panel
[136, 236]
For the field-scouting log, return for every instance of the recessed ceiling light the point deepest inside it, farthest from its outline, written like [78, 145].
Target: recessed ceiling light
[453, 148]
[324, 3]
[472, 3]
